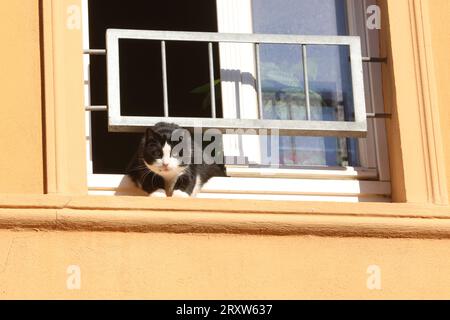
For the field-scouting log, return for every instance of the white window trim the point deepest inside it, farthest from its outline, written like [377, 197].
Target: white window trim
[348, 185]
[235, 16]
[367, 184]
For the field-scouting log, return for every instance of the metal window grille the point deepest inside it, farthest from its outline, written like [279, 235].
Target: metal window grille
[308, 127]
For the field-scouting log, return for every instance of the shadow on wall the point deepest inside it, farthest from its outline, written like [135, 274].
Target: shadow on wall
[128, 188]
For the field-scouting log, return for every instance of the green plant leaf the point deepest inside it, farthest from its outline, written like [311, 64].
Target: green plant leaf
[204, 88]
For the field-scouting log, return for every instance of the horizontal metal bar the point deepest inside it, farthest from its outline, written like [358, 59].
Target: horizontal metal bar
[93, 52]
[251, 126]
[364, 59]
[230, 37]
[103, 52]
[379, 115]
[374, 59]
[96, 108]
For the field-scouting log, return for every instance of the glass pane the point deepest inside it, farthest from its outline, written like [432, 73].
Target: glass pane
[329, 77]
[330, 83]
[282, 82]
[307, 17]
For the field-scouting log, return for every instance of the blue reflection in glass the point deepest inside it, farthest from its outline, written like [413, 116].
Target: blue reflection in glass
[329, 77]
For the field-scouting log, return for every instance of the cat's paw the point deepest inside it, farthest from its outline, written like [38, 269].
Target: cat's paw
[180, 194]
[160, 193]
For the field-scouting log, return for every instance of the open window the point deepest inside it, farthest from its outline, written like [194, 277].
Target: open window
[305, 83]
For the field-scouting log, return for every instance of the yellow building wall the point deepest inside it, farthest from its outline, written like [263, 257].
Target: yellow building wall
[439, 17]
[162, 265]
[21, 162]
[175, 266]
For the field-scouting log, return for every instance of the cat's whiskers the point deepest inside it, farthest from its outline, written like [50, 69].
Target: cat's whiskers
[138, 169]
[153, 177]
[145, 177]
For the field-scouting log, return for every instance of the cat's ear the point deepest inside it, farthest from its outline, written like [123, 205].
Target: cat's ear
[150, 134]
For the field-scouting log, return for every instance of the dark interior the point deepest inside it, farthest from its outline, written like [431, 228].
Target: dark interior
[141, 72]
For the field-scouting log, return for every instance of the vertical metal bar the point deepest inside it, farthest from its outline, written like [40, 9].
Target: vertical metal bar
[305, 79]
[211, 80]
[164, 78]
[258, 82]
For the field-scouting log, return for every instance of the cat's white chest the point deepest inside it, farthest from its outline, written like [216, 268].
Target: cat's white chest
[170, 179]
[169, 184]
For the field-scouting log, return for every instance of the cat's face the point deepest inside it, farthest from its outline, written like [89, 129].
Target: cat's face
[159, 156]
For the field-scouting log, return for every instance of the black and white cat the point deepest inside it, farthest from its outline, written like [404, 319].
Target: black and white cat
[161, 172]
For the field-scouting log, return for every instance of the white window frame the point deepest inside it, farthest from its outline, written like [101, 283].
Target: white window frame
[370, 183]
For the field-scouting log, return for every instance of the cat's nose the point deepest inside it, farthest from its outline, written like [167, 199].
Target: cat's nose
[165, 165]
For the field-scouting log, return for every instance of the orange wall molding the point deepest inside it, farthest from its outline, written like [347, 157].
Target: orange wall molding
[131, 214]
[416, 144]
[64, 106]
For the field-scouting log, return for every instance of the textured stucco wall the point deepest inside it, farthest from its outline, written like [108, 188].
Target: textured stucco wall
[134, 265]
[21, 163]
[131, 265]
[440, 19]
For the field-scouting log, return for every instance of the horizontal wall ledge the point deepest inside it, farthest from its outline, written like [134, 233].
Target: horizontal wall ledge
[143, 214]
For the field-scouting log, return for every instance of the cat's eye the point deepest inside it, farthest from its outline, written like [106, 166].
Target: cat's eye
[157, 154]
[154, 152]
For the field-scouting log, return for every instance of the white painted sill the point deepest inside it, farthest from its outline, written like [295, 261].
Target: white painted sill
[327, 185]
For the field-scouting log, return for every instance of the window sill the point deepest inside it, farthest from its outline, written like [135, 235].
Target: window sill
[142, 214]
[277, 185]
